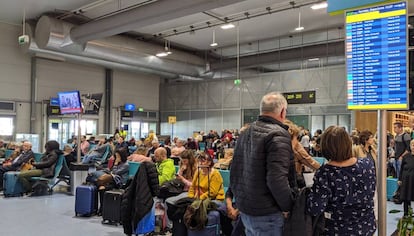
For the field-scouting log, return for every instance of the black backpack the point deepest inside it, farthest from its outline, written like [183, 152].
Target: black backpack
[176, 210]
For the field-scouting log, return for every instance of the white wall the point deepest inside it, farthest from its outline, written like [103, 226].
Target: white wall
[142, 90]
[54, 76]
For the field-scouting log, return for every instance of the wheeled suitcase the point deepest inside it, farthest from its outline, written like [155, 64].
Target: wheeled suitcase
[111, 212]
[86, 200]
[11, 186]
[212, 227]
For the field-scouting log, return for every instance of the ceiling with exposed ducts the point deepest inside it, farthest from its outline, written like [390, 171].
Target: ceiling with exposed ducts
[128, 34]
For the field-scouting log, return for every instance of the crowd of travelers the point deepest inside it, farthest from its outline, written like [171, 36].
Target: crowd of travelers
[266, 160]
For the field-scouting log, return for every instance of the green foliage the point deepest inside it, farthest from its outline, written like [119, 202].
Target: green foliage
[406, 224]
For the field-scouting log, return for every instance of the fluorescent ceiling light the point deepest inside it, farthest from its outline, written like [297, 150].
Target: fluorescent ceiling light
[314, 59]
[318, 6]
[162, 54]
[213, 44]
[227, 26]
[300, 28]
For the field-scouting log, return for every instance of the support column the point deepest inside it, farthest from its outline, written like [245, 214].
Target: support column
[108, 100]
[33, 89]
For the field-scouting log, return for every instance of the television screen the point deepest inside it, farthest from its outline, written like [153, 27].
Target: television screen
[129, 107]
[70, 102]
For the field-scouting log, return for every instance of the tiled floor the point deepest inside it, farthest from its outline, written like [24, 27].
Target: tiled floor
[54, 216]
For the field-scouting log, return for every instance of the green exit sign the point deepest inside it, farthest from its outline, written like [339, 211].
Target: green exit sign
[237, 82]
[140, 109]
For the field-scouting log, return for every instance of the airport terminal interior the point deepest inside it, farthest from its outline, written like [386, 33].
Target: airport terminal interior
[185, 68]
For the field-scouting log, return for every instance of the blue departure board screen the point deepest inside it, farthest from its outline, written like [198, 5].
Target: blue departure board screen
[376, 57]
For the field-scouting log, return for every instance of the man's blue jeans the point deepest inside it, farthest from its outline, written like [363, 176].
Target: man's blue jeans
[268, 225]
[397, 166]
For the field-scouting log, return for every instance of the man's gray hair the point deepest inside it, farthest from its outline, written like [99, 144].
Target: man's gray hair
[273, 102]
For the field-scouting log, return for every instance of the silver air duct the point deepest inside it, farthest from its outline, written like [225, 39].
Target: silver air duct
[53, 35]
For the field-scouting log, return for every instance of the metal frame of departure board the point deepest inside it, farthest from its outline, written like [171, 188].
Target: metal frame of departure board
[377, 73]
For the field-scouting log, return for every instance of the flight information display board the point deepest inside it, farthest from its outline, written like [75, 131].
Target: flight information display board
[376, 57]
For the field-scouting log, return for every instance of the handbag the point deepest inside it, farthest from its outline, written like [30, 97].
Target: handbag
[171, 188]
[104, 180]
[396, 198]
[27, 166]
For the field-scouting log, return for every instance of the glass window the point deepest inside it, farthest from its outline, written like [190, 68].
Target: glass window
[317, 123]
[6, 126]
[331, 120]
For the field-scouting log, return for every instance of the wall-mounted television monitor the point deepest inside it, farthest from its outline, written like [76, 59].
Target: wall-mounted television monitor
[129, 107]
[70, 102]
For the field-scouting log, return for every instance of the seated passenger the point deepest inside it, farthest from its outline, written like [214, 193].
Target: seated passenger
[84, 146]
[188, 168]
[165, 167]
[112, 178]
[16, 162]
[201, 187]
[186, 173]
[17, 150]
[96, 154]
[68, 154]
[139, 155]
[178, 149]
[2, 149]
[44, 168]
[154, 145]
[121, 143]
[224, 163]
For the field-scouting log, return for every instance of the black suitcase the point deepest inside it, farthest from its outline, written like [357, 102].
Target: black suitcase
[179, 228]
[111, 212]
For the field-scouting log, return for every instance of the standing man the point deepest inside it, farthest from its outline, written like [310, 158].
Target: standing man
[260, 168]
[402, 145]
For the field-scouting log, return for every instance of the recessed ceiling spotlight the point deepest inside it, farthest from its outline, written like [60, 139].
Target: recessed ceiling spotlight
[318, 6]
[227, 26]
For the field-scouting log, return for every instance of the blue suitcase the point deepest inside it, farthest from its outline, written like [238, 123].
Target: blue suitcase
[11, 186]
[392, 186]
[86, 200]
[212, 228]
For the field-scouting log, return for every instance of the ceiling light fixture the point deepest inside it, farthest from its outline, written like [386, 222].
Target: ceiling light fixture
[227, 26]
[320, 5]
[314, 59]
[214, 43]
[299, 28]
[166, 51]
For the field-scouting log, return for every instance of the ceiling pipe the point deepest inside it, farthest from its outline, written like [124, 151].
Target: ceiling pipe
[32, 48]
[305, 52]
[52, 34]
[159, 11]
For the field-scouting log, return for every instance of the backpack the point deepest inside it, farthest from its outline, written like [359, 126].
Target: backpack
[40, 188]
[171, 188]
[175, 211]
